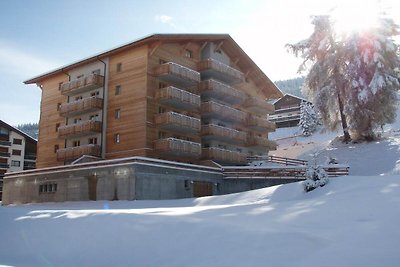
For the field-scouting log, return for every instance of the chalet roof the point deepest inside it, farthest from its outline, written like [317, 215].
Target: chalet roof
[12, 128]
[290, 96]
[227, 44]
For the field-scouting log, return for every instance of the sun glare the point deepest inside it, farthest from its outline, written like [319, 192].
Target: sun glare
[355, 18]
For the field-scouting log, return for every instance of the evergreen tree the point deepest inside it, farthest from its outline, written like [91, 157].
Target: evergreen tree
[352, 78]
[308, 118]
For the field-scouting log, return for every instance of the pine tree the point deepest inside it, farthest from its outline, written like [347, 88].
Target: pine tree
[308, 118]
[352, 78]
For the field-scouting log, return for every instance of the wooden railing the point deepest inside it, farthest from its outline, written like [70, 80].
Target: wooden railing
[221, 91]
[171, 68]
[176, 120]
[223, 112]
[223, 133]
[259, 123]
[223, 155]
[5, 143]
[215, 65]
[175, 146]
[81, 106]
[253, 140]
[71, 153]
[258, 105]
[179, 96]
[4, 154]
[86, 83]
[279, 160]
[82, 128]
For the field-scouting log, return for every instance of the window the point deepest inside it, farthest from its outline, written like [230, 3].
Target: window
[117, 114]
[57, 126]
[187, 184]
[76, 143]
[117, 139]
[56, 147]
[15, 163]
[48, 188]
[58, 106]
[162, 135]
[188, 53]
[16, 152]
[17, 141]
[94, 94]
[119, 67]
[94, 117]
[161, 110]
[78, 98]
[96, 72]
[161, 85]
[92, 141]
[218, 51]
[118, 90]
[77, 120]
[60, 85]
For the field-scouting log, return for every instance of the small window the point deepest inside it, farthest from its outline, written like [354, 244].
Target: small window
[60, 85]
[218, 51]
[187, 184]
[161, 110]
[17, 141]
[76, 143]
[117, 113]
[188, 53]
[161, 85]
[58, 106]
[78, 98]
[119, 67]
[56, 147]
[94, 94]
[96, 72]
[117, 139]
[118, 90]
[77, 120]
[92, 141]
[16, 152]
[15, 163]
[47, 188]
[94, 117]
[57, 126]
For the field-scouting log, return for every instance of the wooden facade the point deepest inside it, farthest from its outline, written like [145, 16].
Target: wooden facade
[287, 111]
[183, 97]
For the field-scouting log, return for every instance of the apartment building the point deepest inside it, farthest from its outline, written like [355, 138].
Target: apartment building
[287, 111]
[17, 151]
[195, 98]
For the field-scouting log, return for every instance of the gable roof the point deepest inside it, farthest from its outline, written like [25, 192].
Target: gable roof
[11, 128]
[227, 44]
[290, 96]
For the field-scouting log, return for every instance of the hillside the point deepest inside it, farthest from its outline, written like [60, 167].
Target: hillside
[291, 86]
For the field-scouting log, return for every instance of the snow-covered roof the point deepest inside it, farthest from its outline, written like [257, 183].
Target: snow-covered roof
[290, 95]
[12, 128]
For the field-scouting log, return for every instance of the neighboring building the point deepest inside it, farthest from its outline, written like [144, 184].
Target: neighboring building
[189, 98]
[17, 151]
[287, 111]
[185, 97]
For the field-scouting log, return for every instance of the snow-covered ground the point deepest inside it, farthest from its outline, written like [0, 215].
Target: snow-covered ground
[352, 221]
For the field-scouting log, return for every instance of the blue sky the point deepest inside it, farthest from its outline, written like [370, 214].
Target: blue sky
[38, 36]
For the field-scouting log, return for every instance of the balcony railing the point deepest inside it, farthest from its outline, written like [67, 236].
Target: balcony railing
[212, 109]
[178, 98]
[175, 73]
[260, 124]
[4, 154]
[213, 89]
[80, 129]
[29, 166]
[212, 68]
[223, 155]
[5, 143]
[216, 132]
[72, 153]
[30, 157]
[81, 106]
[83, 84]
[177, 122]
[4, 166]
[262, 142]
[259, 106]
[177, 147]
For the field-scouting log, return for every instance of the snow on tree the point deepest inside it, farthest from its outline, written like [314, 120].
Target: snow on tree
[308, 118]
[352, 77]
[315, 177]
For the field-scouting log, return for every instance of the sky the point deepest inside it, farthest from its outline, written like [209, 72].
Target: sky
[38, 36]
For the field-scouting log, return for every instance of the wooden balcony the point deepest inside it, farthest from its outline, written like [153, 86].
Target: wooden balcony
[177, 74]
[177, 122]
[4, 166]
[83, 84]
[260, 142]
[178, 98]
[228, 135]
[72, 153]
[223, 156]
[212, 68]
[81, 106]
[178, 147]
[212, 89]
[80, 129]
[4, 155]
[212, 109]
[260, 124]
[258, 106]
[5, 143]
